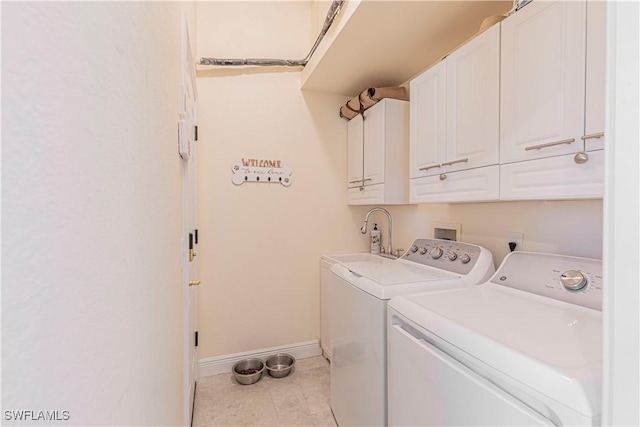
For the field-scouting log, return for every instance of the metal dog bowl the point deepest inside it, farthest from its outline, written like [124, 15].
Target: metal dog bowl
[280, 365]
[248, 371]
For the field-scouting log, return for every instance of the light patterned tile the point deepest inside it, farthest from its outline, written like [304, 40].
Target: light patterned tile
[312, 362]
[323, 419]
[288, 399]
[300, 399]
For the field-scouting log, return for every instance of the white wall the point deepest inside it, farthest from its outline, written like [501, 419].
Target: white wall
[261, 243]
[92, 211]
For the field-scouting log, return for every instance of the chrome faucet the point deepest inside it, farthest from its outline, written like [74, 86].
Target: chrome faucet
[363, 230]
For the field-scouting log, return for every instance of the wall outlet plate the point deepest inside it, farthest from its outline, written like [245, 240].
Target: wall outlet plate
[447, 231]
[517, 238]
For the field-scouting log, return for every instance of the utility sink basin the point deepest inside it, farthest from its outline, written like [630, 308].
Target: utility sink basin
[356, 257]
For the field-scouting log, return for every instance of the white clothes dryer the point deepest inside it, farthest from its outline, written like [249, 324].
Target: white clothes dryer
[358, 308]
[524, 348]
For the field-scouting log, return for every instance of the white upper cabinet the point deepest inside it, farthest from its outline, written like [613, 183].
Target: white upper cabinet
[596, 80]
[378, 153]
[552, 106]
[455, 124]
[473, 99]
[455, 109]
[542, 81]
[428, 121]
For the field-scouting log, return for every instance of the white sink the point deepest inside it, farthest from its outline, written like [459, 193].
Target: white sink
[356, 257]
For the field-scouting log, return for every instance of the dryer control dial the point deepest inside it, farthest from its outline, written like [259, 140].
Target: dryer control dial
[423, 250]
[465, 258]
[573, 280]
[452, 256]
[436, 252]
[414, 248]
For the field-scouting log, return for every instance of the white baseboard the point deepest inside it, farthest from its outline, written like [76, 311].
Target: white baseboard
[223, 364]
[325, 351]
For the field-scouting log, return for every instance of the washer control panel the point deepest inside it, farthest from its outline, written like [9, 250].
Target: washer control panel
[569, 279]
[456, 257]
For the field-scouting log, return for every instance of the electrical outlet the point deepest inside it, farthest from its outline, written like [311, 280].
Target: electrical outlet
[517, 238]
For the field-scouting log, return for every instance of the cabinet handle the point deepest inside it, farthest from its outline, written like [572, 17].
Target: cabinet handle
[550, 144]
[443, 177]
[360, 180]
[426, 168]
[593, 136]
[453, 162]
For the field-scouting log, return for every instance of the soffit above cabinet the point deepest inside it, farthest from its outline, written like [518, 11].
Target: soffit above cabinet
[385, 43]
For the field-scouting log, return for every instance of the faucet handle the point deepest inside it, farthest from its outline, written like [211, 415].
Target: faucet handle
[399, 252]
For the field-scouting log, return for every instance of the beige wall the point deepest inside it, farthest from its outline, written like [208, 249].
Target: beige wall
[562, 227]
[261, 243]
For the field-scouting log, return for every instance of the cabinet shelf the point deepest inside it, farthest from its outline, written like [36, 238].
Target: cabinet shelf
[386, 43]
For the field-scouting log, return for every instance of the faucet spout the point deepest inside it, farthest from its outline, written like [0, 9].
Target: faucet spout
[363, 230]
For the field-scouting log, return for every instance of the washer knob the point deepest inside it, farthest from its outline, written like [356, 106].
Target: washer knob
[465, 258]
[436, 252]
[453, 256]
[573, 280]
[423, 250]
[414, 248]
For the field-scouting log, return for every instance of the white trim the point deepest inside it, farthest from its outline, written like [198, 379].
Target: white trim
[621, 243]
[223, 364]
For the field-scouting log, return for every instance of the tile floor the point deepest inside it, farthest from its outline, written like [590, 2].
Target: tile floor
[299, 399]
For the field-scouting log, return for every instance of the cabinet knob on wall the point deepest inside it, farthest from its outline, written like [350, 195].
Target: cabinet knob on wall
[443, 177]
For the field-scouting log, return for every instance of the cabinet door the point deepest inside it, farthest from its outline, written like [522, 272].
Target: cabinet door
[542, 80]
[427, 122]
[557, 177]
[354, 152]
[472, 185]
[473, 114]
[368, 195]
[596, 81]
[374, 144]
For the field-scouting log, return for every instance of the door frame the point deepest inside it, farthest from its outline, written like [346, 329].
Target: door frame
[621, 329]
[189, 260]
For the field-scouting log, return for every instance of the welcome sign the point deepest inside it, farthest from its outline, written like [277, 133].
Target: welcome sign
[260, 170]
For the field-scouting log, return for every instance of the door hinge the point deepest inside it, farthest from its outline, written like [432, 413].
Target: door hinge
[195, 136]
[192, 253]
[196, 338]
[195, 232]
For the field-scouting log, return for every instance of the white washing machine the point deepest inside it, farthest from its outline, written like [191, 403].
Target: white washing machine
[524, 348]
[358, 307]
